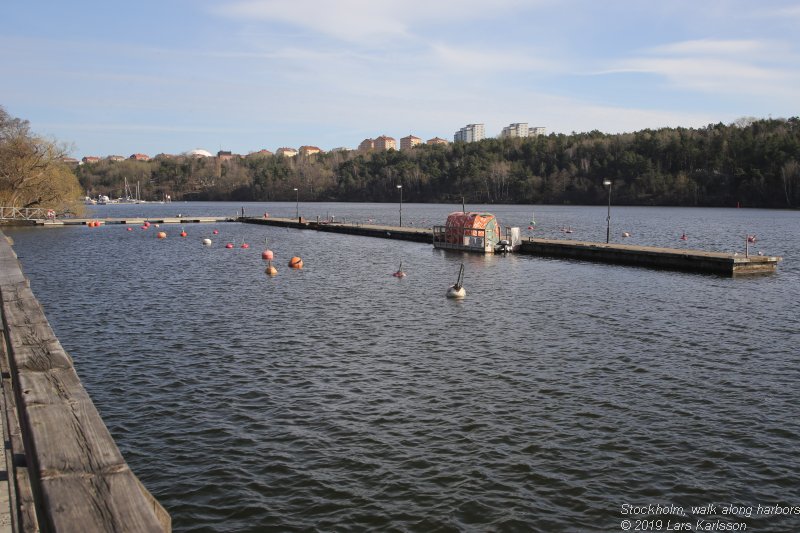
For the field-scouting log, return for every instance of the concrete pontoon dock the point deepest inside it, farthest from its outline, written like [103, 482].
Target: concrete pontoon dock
[133, 220]
[653, 257]
[697, 261]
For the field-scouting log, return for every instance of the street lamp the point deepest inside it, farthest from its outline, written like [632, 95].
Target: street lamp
[297, 205]
[607, 183]
[401, 204]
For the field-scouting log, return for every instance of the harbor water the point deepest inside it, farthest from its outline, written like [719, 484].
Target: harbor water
[557, 396]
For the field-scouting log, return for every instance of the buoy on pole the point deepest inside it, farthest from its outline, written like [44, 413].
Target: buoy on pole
[271, 270]
[457, 291]
[400, 273]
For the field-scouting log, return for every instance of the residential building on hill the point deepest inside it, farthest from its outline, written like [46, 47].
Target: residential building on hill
[286, 152]
[140, 157]
[536, 131]
[260, 153]
[115, 158]
[407, 143]
[518, 129]
[366, 145]
[470, 133]
[224, 155]
[437, 140]
[90, 159]
[385, 143]
[309, 150]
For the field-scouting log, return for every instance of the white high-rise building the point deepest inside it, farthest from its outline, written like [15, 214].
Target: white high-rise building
[537, 130]
[519, 129]
[470, 133]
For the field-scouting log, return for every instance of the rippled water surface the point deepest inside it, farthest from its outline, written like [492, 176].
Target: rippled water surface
[340, 398]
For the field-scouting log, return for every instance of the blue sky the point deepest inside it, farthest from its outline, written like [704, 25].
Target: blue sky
[242, 75]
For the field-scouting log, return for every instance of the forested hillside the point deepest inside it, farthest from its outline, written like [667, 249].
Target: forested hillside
[754, 163]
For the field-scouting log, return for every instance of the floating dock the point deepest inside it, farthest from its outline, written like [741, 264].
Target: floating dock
[131, 220]
[685, 260]
[653, 257]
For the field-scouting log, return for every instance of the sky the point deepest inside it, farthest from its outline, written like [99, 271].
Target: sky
[117, 78]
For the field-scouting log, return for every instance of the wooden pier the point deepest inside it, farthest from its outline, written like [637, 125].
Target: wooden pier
[686, 260]
[65, 472]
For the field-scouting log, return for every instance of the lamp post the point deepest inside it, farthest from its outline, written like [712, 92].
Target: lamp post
[401, 204]
[297, 205]
[607, 183]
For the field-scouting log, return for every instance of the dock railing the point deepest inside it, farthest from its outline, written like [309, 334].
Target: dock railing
[65, 472]
[24, 213]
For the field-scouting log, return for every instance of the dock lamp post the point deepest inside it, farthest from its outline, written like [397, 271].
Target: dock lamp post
[607, 183]
[401, 204]
[297, 204]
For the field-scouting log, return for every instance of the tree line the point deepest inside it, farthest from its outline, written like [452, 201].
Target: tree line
[752, 163]
[32, 171]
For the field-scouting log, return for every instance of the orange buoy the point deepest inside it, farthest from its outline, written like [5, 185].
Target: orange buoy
[267, 255]
[296, 262]
[271, 270]
[245, 245]
[184, 234]
[162, 235]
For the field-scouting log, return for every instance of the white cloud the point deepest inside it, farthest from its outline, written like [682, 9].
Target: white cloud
[738, 67]
[365, 21]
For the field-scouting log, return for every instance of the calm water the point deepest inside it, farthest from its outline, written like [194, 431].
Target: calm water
[340, 398]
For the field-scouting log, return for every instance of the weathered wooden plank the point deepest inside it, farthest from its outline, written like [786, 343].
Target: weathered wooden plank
[22, 506]
[37, 357]
[68, 439]
[59, 386]
[97, 504]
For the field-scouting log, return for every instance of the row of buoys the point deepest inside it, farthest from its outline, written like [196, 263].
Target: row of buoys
[94, 223]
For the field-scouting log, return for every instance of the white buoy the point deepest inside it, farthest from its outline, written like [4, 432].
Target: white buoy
[458, 291]
[206, 242]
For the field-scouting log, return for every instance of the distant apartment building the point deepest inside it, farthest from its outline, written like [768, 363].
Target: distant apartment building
[385, 143]
[340, 149]
[286, 152]
[224, 155]
[407, 143]
[90, 159]
[536, 131]
[309, 150]
[518, 129]
[470, 133]
[140, 157]
[437, 140]
[70, 161]
[260, 153]
[115, 158]
[366, 145]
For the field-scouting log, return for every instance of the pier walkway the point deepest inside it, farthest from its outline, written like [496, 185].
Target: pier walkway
[64, 470]
[686, 260]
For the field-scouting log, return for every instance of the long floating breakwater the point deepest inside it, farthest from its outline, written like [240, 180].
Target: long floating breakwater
[65, 472]
[686, 260]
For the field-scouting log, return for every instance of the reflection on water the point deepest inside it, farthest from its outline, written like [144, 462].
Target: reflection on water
[339, 397]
